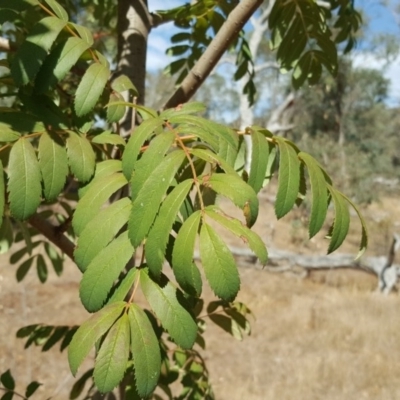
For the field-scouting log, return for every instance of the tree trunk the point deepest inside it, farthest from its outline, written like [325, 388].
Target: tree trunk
[134, 24]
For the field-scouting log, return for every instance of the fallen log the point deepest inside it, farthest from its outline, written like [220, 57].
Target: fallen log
[382, 267]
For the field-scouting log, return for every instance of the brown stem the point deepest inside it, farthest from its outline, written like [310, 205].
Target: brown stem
[54, 234]
[221, 42]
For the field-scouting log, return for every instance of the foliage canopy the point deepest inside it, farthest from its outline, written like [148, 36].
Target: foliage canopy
[153, 191]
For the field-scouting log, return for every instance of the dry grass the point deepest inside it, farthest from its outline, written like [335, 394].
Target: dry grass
[327, 337]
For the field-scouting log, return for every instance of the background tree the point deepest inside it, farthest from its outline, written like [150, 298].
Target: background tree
[123, 189]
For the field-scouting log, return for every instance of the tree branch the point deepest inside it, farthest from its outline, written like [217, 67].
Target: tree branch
[5, 45]
[221, 42]
[53, 234]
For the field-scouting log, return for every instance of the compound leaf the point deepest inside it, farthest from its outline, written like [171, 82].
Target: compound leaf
[53, 164]
[319, 193]
[235, 189]
[219, 264]
[123, 83]
[158, 237]
[96, 195]
[259, 160]
[30, 56]
[115, 112]
[103, 169]
[162, 297]
[124, 286]
[90, 88]
[60, 61]
[237, 228]
[104, 269]
[185, 271]
[289, 177]
[112, 358]
[146, 203]
[81, 157]
[109, 138]
[145, 351]
[24, 183]
[135, 143]
[90, 332]
[58, 10]
[341, 223]
[100, 231]
[150, 160]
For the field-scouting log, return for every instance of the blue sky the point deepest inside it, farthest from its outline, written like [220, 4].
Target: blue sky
[380, 18]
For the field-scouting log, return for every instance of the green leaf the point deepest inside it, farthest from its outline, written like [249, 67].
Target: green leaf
[53, 164]
[7, 16]
[150, 160]
[20, 122]
[185, 271]
[90, 332]
[7, 396]
[7, 380]
[108, 137]
[212, 158]
[24, 184]
[90, 88]
[289, 177]
[135, 143]
[259, 160]
[58, 10]
[342, 220]
[158, 237]
[2, 193]
[193, 107]
[112, 358]
[123, 83]
[115, 112]
[23, 269]
[219, 264]
[7, 135]
[81, 157]
[146, 203]
[124, 286]
[41, 268]
[163, 300]
[241, 194]
[100, 231]
[319, 193]
[103, 169]
[56, 260]
[237, 228]
[31, 388]
[96, 195]
[30, 56]
[60, 61]
[84, 33]
[145, 351]
[364, 230]
[80, 384]
[104, 269]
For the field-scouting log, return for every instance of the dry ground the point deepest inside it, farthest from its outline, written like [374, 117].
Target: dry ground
[330, 336]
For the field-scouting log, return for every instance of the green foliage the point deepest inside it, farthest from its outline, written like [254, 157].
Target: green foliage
[155, 192]
[8, 383]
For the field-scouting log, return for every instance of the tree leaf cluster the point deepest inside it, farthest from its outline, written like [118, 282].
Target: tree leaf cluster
[132, 206]
[305, 43]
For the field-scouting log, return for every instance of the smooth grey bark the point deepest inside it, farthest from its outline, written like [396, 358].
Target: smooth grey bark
[134, 24]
